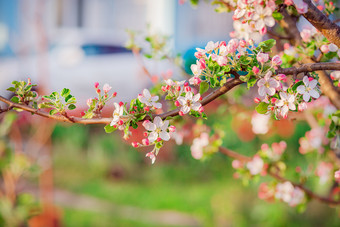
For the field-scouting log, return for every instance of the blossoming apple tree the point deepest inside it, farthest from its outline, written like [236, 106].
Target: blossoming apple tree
[293, 74]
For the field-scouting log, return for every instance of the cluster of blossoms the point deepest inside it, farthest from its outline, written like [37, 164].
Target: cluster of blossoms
[97, 104]
[314, 140]
[280, 99]
[335, 76]
[257, 14]
[285, 192]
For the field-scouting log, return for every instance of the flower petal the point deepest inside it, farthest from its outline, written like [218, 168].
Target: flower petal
[164, 135]
[152, 136]
[314, 94]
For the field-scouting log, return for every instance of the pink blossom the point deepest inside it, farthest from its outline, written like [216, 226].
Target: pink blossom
[198, 145]
[232, 46]
[266, 192]
[255, 166]
[267, 85]
[324, 49]
[106, 88]
[284, 191]
[195, 80]
[262, 57]
[285, 103]
[236, 164]
[276, 60]
[302, 106]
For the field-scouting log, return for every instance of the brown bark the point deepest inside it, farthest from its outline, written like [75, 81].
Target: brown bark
[321, 22]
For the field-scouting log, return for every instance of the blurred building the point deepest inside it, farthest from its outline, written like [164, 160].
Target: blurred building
[73, 43]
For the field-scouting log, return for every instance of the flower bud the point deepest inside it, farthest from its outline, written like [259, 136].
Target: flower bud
[120, 122]
[243, 43]
[114, 94]
[262, 57]
[134, 144]
[276, 60]
[201, 109]
[177, 103]
[96, 85]
[146, 142]
[256, 70]
[181, 113]
[172, 128]
[282, 77]
[159, 139]
[82, 113]
[257, 100]
[121, 104]
[146, 109]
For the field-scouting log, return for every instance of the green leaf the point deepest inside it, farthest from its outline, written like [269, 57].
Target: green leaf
[277, 16]
[15, 99]
[296, 85]
[12, 89]
[65, 92]
[148, 55]
[109, 129]
[267, 45]
[204, 116]
[71, 107]
[251, 82]
[53, 111]
[262, 108]
[204, 86]
[67, 98]
[244, 78]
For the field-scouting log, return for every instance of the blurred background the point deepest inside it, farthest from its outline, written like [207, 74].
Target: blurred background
[73, 175]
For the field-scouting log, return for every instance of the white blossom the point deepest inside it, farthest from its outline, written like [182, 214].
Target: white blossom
[309, 89]
[157, 129]
[149, 100]
[189, 102]
[117, 113]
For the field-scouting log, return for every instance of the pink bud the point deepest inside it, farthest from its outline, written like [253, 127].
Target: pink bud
[82, 113]
[178, 88]
[146, 142]
[121, 103]
[232, 34]
[257, 100]
[276, 60]
[243, 43]
[96, 84]
[223, 43]
[282, 77]
[114, 94]
[164, 88]
[201, 109]
[146, 109]
[145, 134]
[198, 55]
[181, 113]
[310, 78]
[172, 128]
[263, 30]
[134, 144]
[256, 70]
[201, 63]
[273, 100]
[159, 139]
[177, 103]
[98, 91]
[186, 84]
[187, 89]
[324, 49]
[120, 122]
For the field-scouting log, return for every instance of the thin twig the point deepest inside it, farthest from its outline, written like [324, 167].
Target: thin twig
[308, 192]
[209, 98]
